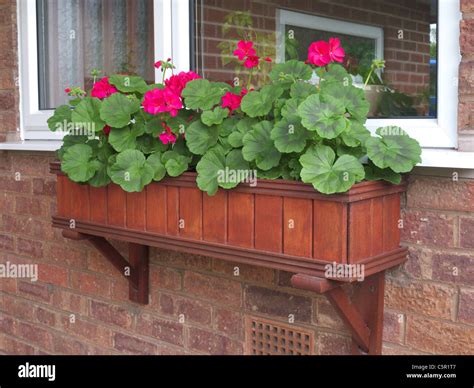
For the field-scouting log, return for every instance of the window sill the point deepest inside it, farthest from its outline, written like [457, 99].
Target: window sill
[439, 158]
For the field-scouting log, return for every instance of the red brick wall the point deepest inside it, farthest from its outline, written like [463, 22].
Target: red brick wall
[428, 309]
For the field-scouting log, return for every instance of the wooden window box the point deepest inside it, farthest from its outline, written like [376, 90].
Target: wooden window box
[283, 225]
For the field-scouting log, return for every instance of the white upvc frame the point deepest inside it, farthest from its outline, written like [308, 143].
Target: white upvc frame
[171, 35]
[431, 133]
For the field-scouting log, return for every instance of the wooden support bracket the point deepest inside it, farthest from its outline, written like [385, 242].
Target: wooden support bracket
[135, 270]
[362, 314]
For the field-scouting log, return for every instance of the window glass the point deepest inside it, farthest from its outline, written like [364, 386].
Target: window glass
[78, 37]
[403, 34]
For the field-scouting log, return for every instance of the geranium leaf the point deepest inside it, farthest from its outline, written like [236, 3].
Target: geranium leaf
[326, 118]
[149, 144]
[128, 83]
[215, 169]
[373, 173]
[86, 115]
[291, 71]
[215, 116]
[131, 171]
[259, 147]
[328, 175]
[124, 138]
[243, 126]
[101, 178]
[79, 164]
[202, 94]
[176, 166]
[302, 90]
[260, 103]
[289, 135]
[117, 109]
[159, 170]
[352, 98]
[200, 137]
[60, 118]
[398, 152]
[355, 134]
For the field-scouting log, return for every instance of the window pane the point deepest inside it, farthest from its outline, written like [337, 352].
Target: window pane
[78, 36]
[402, 33]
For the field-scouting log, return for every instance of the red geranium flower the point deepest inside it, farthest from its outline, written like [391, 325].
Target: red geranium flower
[106, 130]
[318, 53]
[167, 136]
[251, 61]
[102, 89]
[233, 101]
[177, 83]
[336, 52]
[162, 100]
[244, 49]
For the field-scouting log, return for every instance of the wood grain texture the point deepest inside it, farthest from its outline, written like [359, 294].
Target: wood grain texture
[298, 227]
[269, 223]
[79, 201]
[190, 213]
[172, 207]
[156, 208]
[62, 194]
[360, 230]
[136, 210]
[214, 215]
[241, 219]
[330, 231]
[116, 205]
[98, 204]
[391, 218]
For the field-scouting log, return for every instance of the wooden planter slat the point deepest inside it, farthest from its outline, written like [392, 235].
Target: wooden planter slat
[281, 225]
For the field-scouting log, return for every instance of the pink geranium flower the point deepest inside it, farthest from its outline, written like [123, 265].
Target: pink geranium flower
[244, 49]
[177, 83]
[318, 53]
[233, 101]
[162, 100]
[336, 52]
[103, 89]
[251, 61]
[167, 136]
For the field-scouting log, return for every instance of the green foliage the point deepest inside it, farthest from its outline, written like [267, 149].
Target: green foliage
[288, 129]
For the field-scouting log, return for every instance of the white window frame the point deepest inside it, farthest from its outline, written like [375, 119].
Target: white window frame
[431, 133]
[171, 34]
[172, 40]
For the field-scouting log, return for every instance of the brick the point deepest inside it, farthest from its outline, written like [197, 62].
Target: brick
[90, 283]
[18, 308]
[284, 278]
[7, 203]
[280, 304]
[222, 291]
[6, 324]
[422, 298]
[439, 337]
[44, 187]
[333, 344]
[32, 164]
[466, 306]
[111, 314]
[68, 346]
[440, 194]
[53, 274]
[466, 77]
[46, 317]
[389, 349]
[161, 329]
[34, 335]
[15, 347]
[30, 248]
[325, 316]
[228, 322]
[467, 32]
[451, 268]
[37, 291]
[27, 227]
[192, 310]
[133, 344]
[7, 102]
[212, 343]
[165, 278]
[393, 327]
[467, 232]
[89, 331]
[69, 302]
[428, 228]
[35, 207]
[180, 260]
[6, 243]
[67, 255]
[22, 185]
[246, 273]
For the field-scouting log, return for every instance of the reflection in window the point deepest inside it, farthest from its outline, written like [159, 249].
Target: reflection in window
[76, 37]
[403, 34]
